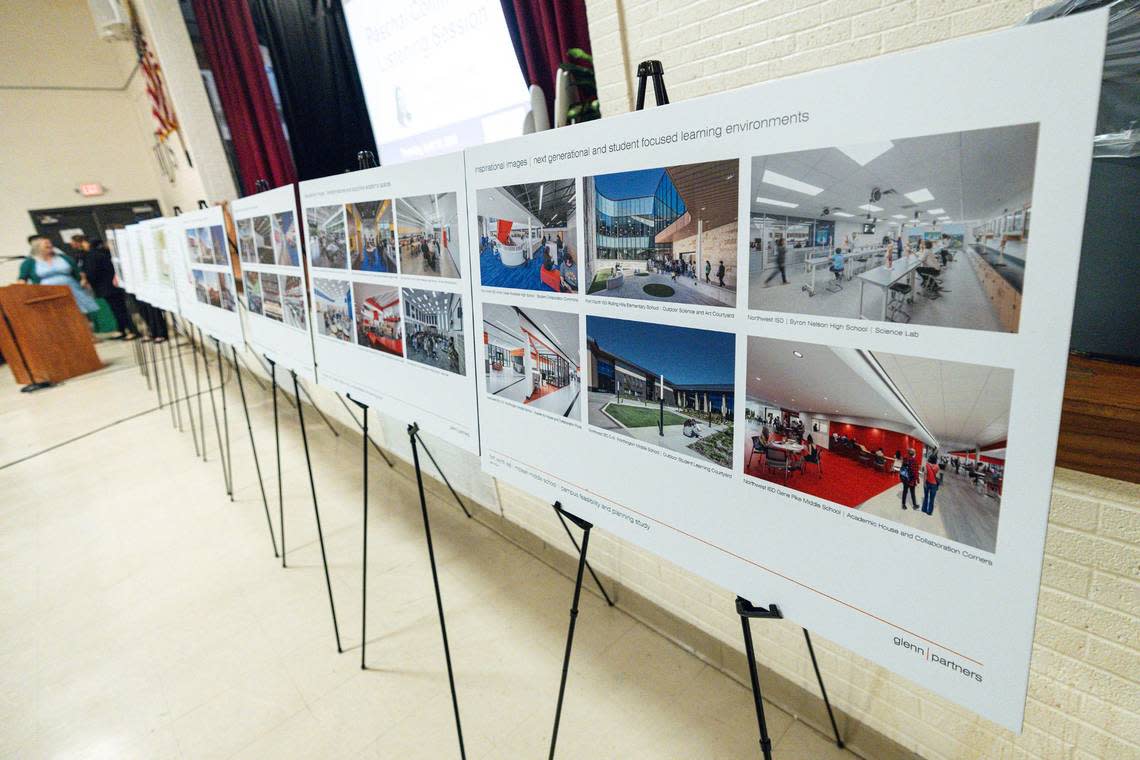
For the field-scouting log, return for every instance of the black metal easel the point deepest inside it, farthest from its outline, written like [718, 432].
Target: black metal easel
[175, 322]
[653, 70]
[316, 510]
[277, 452]
[253, 448]
[414, 437]
[214, 410]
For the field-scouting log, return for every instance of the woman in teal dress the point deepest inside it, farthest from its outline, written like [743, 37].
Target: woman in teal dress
[47, 266]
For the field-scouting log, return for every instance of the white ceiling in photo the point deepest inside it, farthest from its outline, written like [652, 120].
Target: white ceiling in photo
[972, 175]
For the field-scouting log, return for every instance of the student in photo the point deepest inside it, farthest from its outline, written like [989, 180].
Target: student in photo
[781, 259]
[708, 271]
[908, 475]
[837, 263]
[932, 477]
[720, 273]
[930, 268]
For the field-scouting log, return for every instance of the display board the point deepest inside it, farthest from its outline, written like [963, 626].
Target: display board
[273, 273]
[744, 331]
[156, 251]
[389, 287]
[205, 254]
[118, 244]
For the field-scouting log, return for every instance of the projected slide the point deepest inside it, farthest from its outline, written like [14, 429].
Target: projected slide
[437, 76]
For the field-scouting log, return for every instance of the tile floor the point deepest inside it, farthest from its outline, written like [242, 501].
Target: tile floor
[143, 615]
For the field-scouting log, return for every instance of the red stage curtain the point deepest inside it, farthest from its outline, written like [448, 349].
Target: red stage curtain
[231, 46]
[542, 31]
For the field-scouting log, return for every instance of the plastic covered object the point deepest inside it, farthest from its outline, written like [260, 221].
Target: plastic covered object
[1118, 118]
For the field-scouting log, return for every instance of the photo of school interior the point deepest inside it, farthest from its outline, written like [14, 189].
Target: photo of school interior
[528, 237]
[293, 301]
[247, 251]
[378, 321]
[271, 297]
[327, 246]
[434, 329]
[285, 247]
[370, 244]
[532, 357]
[668, 386]
[204, 282]
[930, 230]
[664, 234]
[332, 301]
[263, 240]
[840, 423]
[253, 293]
[227, 296]
[427, 226]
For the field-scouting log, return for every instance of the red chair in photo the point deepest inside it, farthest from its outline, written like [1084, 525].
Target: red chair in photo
[551, 278]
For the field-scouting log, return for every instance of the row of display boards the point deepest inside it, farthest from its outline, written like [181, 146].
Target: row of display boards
[575, 307]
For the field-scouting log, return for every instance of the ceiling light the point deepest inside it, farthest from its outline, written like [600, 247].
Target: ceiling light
[943, 218]
[898, 216]
[935, 211]
[865, 153]
[841, 213]
[919, 196]
[780, 180]
[871, 207]
[797, 354]
[772, 202]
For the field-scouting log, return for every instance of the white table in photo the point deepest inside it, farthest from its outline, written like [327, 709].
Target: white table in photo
[883, 278]
[790, 449]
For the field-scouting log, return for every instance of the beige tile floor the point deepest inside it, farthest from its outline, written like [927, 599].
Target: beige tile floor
[143, 615]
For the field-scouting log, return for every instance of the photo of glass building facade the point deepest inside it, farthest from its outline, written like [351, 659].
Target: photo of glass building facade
[630, 209]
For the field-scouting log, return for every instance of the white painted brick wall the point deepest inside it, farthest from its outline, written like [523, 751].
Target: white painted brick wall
[1084, 698]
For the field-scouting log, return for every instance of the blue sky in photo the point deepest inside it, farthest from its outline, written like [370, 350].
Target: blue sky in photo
[684, 355]
[620, 185]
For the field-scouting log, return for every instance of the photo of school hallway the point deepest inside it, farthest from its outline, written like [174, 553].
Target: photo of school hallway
[671, 387]
[528, 237]
[531, 357]
[426, 227]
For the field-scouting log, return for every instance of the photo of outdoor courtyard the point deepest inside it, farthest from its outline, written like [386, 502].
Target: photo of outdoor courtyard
[663, 234]
[531, 357]
[667, 386]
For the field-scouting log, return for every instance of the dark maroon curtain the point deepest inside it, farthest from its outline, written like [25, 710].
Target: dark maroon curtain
[232, 49]
[542, 31]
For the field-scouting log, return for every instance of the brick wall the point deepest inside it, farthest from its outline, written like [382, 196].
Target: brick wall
[1084, 701]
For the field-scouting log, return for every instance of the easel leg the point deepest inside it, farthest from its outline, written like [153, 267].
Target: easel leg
[364, 533]
[326, 420]
[565, 527]
[164, 353]
[747, 610]
[412, 435]
[229, 462]
[198, 392]
[157, 378]
[277, 450]
[446, 482]
[822, 689]
[585, 526]
[214, 409]
[170, 368]
[186, 391]
[379, 450]
[253, 448]
[316, 511]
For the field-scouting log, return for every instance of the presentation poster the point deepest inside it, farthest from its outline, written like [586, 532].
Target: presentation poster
[133, 262]
[390, 285]
[273, 274]
[206, 256]
[798, 342]
[120, 258]
[156, 251]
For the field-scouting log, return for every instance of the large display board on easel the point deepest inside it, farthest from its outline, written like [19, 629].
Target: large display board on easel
[277, 301]
[157, 249]
[390, 291]
[204, 248]
[751, 332]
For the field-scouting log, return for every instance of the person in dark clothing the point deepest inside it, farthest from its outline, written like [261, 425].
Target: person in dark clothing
[720, 273]
[781, 258]
[908, 475]
[100, 272]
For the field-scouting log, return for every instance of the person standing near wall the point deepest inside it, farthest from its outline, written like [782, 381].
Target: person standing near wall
[909, 477]
[781, 261]
[932, 477]
[100, 272]
[47, 265]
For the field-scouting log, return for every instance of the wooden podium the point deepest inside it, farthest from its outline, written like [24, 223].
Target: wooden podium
[43, 335]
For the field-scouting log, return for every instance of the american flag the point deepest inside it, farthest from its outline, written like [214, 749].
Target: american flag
[160, 106]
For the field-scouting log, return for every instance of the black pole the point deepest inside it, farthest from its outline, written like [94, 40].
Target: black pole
[823, 689]
[565, 527]
[364, 532]
[316, 512]
[376, 446]
[170, 367]
[198, 389]
[157, 375]
[145, 358]
[585, 526]
[168, 370]
[186, 389]
[253, 448]
[214, 409]
[413, 429]
[440, 471]
[277, 449]
[747, 610]
[229, 465]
